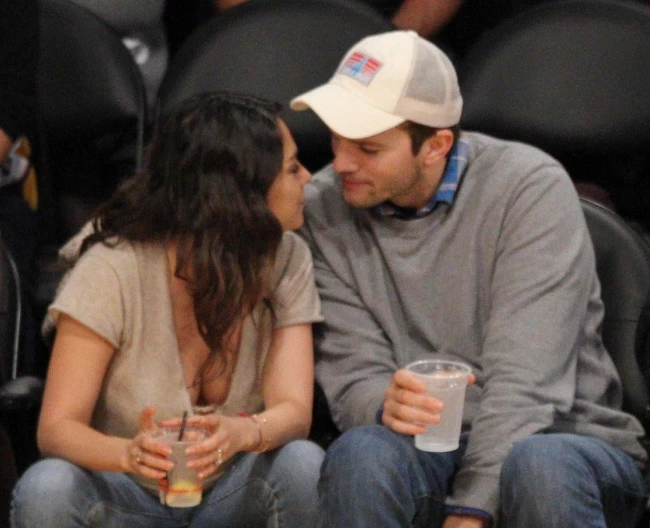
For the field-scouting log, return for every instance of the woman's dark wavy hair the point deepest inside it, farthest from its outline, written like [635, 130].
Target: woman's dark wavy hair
[211, 164]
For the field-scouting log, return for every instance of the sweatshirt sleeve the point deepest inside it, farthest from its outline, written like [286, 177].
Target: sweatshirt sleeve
[354, 359]
[543, 275]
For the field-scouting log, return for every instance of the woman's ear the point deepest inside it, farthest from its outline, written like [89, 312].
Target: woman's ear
[437, 146]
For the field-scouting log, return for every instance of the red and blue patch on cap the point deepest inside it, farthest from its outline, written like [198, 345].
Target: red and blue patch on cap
[361, 67]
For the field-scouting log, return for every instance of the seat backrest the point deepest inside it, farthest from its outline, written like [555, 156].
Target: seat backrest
[91, 100]
[623, 265]
[571, 77]
[565, 75]
[274, 50]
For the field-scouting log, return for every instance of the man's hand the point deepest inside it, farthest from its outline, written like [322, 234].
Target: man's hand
[407, 407]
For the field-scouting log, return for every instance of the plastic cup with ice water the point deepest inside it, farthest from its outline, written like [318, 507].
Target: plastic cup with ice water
[182, 488]
[446, 381]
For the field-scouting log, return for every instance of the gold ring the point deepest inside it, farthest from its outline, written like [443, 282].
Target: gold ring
[138, 457]
[219, 456]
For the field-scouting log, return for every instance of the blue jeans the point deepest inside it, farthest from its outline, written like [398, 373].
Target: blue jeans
[373, 477]
[273, 489]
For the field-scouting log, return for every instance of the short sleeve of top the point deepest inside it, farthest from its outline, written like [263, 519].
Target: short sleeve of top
[294, 298]
[93, 293]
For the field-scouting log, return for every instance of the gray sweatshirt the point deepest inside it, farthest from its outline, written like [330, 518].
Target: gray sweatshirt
[503, 279]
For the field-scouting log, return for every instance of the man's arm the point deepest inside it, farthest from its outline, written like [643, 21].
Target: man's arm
[354, 362]
[354, 359]
[541, 286]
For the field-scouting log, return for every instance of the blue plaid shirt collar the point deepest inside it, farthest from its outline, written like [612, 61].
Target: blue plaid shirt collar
[446, 190]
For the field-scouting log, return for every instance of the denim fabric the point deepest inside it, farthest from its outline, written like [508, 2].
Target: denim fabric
[276, 489]
[374, 477]
[567, 481]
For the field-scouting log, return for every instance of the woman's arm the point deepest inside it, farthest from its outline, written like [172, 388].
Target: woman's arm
[79, 362]
[288, 386]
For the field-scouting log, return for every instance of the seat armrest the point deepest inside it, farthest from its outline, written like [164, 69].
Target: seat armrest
[23, 392]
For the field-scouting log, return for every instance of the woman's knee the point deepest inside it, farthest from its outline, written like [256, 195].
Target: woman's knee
[49, 485]
[48, 477]
[301, 461]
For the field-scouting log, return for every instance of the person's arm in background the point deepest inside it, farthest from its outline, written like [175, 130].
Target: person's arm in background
[5, 145]
[222, 5]
[18, 71]
[426, 17]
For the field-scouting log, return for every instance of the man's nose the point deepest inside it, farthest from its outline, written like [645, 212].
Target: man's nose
[343, 161]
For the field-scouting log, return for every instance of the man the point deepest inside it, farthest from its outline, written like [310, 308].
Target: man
[431, 242]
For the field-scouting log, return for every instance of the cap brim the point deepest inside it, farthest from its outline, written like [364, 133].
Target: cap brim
[345, 113]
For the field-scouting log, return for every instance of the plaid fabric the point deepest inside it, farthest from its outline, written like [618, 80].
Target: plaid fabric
[446, 191]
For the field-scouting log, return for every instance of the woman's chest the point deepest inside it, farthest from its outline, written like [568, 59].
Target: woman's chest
[208, 377]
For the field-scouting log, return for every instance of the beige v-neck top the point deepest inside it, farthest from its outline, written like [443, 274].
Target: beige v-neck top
[122, 294]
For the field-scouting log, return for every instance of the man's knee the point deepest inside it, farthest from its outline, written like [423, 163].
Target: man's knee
[365, 448]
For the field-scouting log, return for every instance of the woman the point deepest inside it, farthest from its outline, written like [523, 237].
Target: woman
[187, 295]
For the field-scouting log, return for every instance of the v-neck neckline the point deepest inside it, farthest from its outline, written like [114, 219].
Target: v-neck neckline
[177, 349]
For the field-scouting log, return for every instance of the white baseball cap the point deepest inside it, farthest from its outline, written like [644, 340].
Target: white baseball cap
[384, 80]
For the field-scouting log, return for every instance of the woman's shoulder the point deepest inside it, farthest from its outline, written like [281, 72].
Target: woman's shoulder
[120, 255]
[126, 261]
[293, 249]
[292, 259]
[293, 289]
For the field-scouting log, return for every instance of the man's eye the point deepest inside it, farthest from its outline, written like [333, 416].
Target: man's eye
[368, 150]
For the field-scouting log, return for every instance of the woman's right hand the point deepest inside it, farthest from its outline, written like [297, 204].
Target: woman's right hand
[226, 437]
[144, 455]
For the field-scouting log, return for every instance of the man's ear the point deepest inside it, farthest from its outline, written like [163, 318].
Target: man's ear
[437, 146]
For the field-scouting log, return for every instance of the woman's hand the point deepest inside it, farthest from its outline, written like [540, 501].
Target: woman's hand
[228, 435]
[146, 456]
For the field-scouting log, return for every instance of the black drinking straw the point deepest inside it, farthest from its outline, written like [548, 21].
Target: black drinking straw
[183, 422]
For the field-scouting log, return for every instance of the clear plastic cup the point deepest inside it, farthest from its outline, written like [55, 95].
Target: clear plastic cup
[182, 488]
[446, 381]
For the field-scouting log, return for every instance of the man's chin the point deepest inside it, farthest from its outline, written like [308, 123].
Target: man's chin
[358, 201]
